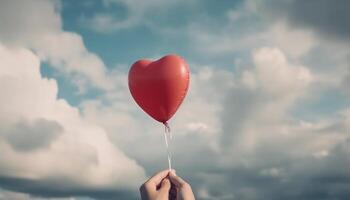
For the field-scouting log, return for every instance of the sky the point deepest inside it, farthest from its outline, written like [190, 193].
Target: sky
[267, 114]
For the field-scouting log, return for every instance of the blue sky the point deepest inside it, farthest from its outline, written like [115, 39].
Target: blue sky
[115, 47]
[267, 114]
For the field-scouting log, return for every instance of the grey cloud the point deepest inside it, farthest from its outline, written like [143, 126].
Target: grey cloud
[302, 178]
[28, 136]
[277, 166]
[239, 106]
[346, 80]
[329, 18]
[47, 189]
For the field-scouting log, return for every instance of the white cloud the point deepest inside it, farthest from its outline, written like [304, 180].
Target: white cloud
[227, 40]
[22, 25]
[231, 39]
[257, 108]
[80, 156]
[265, 148]
[257, 122]
[274, 75]
[295, 43]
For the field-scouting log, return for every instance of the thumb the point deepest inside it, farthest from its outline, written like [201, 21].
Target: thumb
[164, 189]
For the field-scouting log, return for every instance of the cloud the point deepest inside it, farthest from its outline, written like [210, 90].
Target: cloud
[295, 42]
[8, 195]
[343, 79]
[47, 148]
[299, 28]
[252, 33]
[271, 86]
[267, 149]
[25, 136]
[328, 18]
[42, 32]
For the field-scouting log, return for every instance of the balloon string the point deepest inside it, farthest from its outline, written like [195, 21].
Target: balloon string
[167, 136]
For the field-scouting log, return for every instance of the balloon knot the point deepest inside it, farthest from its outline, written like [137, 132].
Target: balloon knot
[167, 127]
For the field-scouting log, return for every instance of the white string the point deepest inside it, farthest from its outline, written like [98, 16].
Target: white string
[167, 136]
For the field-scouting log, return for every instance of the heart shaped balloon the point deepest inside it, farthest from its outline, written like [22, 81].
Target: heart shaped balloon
[160, 86]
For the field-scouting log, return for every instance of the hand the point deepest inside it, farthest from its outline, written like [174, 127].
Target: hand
[166, 185]
[157, 187]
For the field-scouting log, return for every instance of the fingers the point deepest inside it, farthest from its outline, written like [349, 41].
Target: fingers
[165, 187]
[176, 180]
[157, 178]
[150, 186]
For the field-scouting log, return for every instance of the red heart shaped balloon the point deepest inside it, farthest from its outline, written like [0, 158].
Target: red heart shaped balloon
[159, 87]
